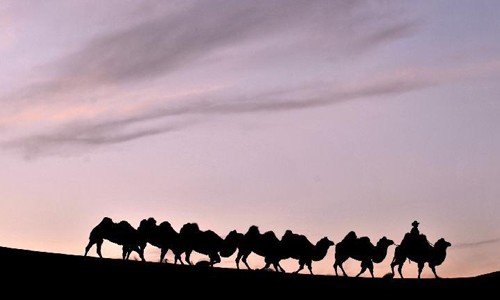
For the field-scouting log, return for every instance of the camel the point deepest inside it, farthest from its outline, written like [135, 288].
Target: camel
[207, 242]
[297, 246]
[162, 236]
[360, 249]
[231, 243]
[266, 245]
[421, 253]
[121, 233]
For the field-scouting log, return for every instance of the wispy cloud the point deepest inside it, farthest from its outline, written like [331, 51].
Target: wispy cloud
[160, 117]
[181, 39]
[83, 135]
[155, 50]
[477, 244]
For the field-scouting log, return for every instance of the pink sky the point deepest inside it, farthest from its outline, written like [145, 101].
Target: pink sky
[321, 118]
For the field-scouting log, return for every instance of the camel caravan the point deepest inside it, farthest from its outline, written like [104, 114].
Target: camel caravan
[414, 246]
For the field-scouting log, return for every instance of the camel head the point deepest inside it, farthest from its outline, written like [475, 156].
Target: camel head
[442, 243]
[325, 241]
[321, 248]
[233, 236]
[231, 243]
[385, 242]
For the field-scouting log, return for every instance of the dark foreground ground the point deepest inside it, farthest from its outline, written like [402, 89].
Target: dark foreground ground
[68, 276]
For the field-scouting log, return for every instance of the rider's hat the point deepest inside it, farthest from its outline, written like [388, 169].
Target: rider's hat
[415, 223]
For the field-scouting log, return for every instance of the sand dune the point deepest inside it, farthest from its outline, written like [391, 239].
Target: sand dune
[57, 275]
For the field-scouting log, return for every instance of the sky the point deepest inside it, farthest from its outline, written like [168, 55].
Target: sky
[317, 116]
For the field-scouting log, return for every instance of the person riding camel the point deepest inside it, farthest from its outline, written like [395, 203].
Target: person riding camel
[414, 238]
[414, 231]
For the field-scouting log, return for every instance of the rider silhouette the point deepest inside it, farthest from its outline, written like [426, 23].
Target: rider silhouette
[414, 231]
[414, 238]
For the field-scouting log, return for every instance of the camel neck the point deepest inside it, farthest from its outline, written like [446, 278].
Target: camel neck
[379, 253]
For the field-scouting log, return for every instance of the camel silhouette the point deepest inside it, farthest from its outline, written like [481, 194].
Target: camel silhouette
[231, 243]
[266, 245]
[420, 252]
[121, 233]
[360, 249]
[162, 236]
[207, 242]
[298, 247]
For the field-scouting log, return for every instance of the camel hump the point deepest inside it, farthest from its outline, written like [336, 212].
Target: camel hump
[253, 232]
[303, 239]
[288, 235]
[190, 228]
[165, 225]
[254, 229]
[350, 236]
[125, 224]
[212, 233]
[364, 239]
[151, 222]
[106, 221]
[270, 234]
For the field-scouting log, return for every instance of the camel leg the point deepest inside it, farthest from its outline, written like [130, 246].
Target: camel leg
[343, 271]
[280, 267]
[277, 267]
[400, 270]
[237, 260]
[140, 250]
[163, 253]
[363, 269]
[188, 257]
[433, 268]
[125, 253]
[269, 262]
[267, 266]
[215, 259]
[244, 260]
[87, 248]
[177, 257]
[301, 266]
[420, 268]
[309, 266]
[398, 262]
[335, 265]
[98, 244]
[370, 268]
[99, 247]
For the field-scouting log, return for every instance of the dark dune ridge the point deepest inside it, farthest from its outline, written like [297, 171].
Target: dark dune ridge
[55, 274]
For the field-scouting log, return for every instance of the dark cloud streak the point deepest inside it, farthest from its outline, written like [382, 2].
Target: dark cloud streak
[477, 244]
[178, 40]
[119, 130]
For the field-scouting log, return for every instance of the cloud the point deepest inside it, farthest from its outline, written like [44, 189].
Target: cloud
[76, 138]
[171, 42]
[179, 113]
[79, 136]
[477, 244]
[180, 39]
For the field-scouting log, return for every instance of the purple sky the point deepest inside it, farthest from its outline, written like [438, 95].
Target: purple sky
[316, 116]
